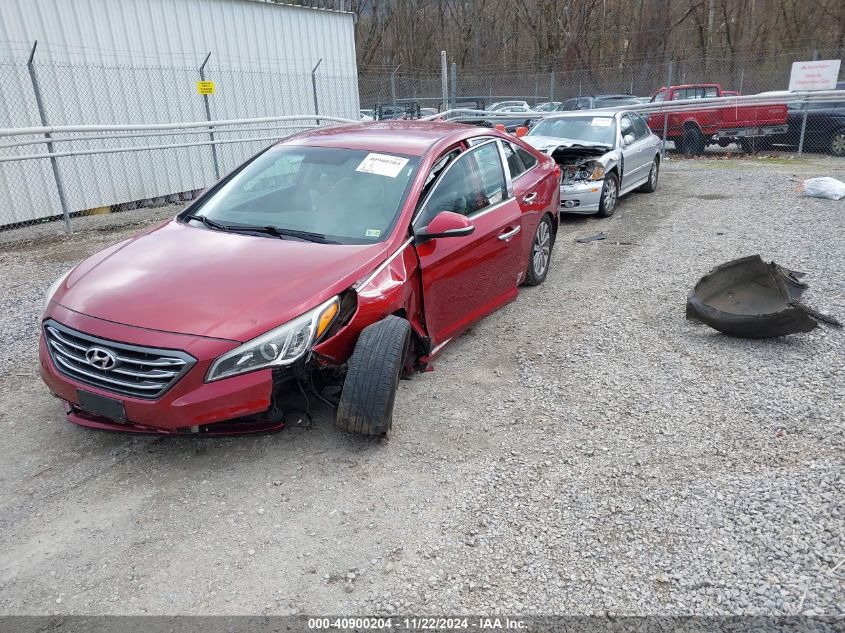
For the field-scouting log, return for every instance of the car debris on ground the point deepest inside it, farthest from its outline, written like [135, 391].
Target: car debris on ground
[748, 298]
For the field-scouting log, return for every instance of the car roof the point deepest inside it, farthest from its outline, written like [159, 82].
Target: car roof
[567, 114]
[614, 96]
[415, 138]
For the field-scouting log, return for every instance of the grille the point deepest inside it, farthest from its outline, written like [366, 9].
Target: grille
[140, 372]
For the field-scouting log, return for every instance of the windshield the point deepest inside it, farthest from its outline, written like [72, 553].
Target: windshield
[349, 196]
[589, 129]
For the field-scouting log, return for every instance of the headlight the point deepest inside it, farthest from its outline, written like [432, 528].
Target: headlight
[598, 172]
[280, 346]
[53, 287]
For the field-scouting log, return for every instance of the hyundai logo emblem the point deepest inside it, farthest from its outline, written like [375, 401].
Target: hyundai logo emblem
[101, 358]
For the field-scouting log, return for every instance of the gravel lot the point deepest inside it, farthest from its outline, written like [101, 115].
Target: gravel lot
[584, 450]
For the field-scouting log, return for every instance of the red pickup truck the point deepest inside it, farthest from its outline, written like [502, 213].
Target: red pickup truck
[693, 130]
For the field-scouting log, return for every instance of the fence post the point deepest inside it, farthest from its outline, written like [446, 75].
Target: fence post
[43, 116]
[803, 128]
[208, 118]
[454, 83]
[393, 85]
[666, 113]
[314, 87]
[444, 80]
[552, 85]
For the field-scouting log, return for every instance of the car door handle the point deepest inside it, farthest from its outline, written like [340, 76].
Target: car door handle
[529, 197]
[509, 234]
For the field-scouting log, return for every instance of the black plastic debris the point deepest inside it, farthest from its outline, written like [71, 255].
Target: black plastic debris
[749, 298]
[592, 238]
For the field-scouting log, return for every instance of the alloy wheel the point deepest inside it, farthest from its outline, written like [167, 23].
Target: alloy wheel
[541, 249]
[609, 195]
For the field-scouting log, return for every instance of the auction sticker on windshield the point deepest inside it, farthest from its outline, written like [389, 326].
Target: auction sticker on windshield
[603, 122]
[382, 165]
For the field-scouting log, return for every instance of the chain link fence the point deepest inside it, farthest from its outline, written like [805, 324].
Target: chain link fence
[823, 124]
[744, 73]
[122, 170]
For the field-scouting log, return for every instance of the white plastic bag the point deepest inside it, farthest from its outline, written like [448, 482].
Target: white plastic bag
[825, 187]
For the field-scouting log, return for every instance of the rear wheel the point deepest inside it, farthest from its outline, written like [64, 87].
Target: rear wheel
[541, 253]
[369, 391]
[651, 184]
[609, 196]
[837, 143]
[694, 142]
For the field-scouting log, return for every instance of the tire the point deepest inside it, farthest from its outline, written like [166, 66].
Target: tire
[837, 143]
[540, 257]
[369, 390]
[609, 196]
[693, 143]
[650, 185]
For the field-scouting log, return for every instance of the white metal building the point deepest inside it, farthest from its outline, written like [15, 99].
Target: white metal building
[137, 62]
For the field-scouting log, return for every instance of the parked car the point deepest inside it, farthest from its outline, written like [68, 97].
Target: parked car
[500, 105]
[590, 102]
[548, 106]
[513, 108]
[384, 112]
[693, 130]
[339, 258]
[602, 157]
[366, 115]
[825, 129]
[428, 111]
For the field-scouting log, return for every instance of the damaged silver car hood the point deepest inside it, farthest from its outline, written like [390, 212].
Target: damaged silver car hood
[548, 144]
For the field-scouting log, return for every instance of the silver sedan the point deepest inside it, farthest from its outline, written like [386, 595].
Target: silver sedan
[602, 156]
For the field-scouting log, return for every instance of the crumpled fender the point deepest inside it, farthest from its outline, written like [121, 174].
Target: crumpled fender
[749, 298]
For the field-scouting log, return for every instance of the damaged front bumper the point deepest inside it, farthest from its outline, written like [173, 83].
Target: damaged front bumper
[581, 197]
[749, 298]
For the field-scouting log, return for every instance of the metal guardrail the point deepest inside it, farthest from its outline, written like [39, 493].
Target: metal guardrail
[89, 133]
[53, 135]
[679, 105]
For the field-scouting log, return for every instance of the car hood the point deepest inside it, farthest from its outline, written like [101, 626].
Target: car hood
[192, 280]
[547, 144]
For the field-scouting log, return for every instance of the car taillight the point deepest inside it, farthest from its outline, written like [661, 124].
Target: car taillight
[557, 173]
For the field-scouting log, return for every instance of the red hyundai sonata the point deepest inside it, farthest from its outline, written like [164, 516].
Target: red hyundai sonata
[328, 266]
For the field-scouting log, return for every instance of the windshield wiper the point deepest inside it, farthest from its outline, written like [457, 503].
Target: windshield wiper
[280, 232]
[208, 222]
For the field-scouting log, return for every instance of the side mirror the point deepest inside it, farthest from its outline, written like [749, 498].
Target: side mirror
[521, 131]
[628, 139]
[446, 224]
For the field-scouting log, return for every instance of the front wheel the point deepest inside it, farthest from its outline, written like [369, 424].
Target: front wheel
[369, 390]
[837, 143]
[541, 253]
[651, 184]
[609, 196]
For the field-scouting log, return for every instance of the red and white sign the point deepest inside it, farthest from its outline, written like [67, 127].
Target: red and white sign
[818, 75]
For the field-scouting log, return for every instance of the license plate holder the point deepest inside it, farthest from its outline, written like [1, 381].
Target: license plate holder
[110, 408]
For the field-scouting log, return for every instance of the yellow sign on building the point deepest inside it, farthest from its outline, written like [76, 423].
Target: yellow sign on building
[205, 87]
